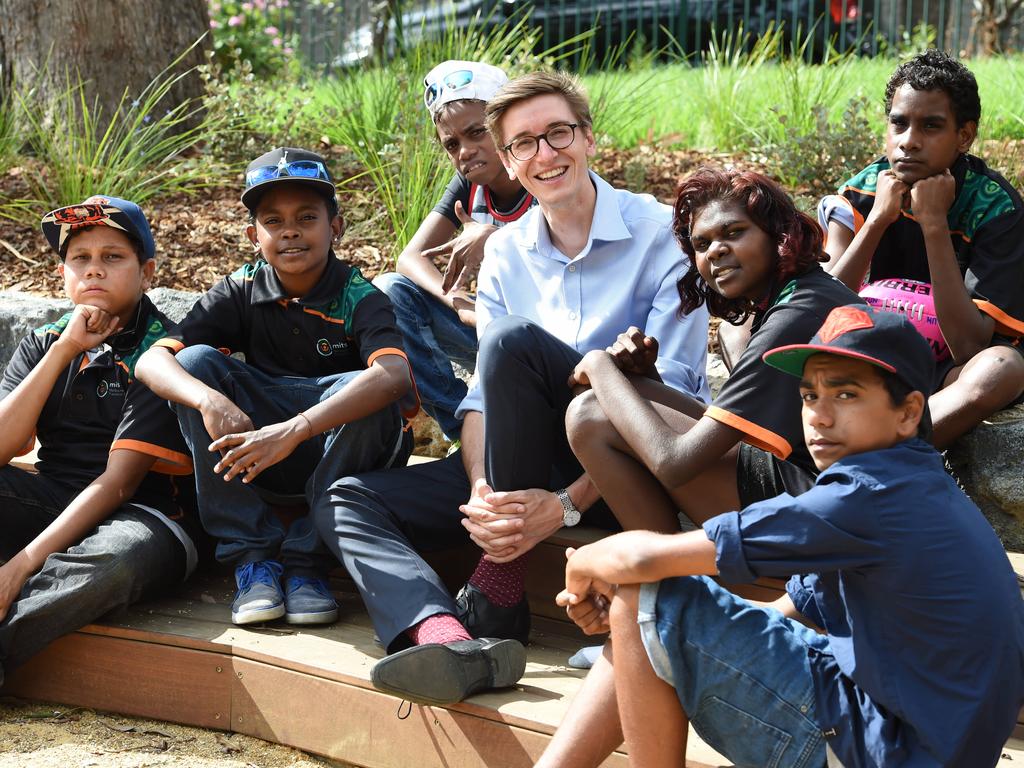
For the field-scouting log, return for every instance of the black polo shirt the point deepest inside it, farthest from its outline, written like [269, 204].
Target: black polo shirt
[342, 325]
[762, 402]
[986, 225]
[97, 406]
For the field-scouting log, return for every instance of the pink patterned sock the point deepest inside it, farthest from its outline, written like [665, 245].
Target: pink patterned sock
[501, 583]
[439, 628]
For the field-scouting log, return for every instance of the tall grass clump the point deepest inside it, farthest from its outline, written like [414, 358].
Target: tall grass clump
[137, 152]
[378, 114]
[8, 130]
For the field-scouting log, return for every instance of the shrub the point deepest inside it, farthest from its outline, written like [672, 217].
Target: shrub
[252, 31]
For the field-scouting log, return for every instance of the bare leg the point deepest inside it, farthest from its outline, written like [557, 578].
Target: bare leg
[653, 721]
[590, 730]
[972, 392]
[633, 494]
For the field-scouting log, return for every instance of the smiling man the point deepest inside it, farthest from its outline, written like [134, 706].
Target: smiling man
[931, 213]
[585, 264]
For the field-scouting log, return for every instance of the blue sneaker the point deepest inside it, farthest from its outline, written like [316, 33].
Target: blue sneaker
[309, 601]
[259, 595]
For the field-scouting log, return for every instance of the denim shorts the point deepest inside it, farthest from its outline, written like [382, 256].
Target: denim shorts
[741, 672]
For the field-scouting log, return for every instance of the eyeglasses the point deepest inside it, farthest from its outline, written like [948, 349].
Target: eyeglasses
[304, 169]
[453, 81]
[559, 137]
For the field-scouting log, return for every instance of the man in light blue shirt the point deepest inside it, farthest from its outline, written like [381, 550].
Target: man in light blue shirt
[586, 264]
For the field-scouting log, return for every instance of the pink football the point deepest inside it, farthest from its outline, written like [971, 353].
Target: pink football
[914, 299]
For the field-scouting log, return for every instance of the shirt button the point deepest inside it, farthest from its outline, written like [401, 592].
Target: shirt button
[572, 315]
[572, 267]
[79, 396]
[295, 331]
[803, 708]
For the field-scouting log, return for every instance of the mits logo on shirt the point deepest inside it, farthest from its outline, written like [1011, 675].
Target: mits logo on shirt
[112, 388]
[327, 348]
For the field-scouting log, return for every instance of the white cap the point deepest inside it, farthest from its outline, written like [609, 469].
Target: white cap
[456, 80]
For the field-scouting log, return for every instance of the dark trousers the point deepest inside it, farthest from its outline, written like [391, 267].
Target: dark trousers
[378, 523]
[127, 556]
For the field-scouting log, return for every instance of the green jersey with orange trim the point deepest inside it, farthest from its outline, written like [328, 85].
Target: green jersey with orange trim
[986, 224]
[342, 325]
[97, 406]
[760, 401]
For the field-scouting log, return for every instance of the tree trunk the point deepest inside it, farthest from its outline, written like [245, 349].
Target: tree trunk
[112, 44]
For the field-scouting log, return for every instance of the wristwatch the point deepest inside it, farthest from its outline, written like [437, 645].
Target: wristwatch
[570, 515]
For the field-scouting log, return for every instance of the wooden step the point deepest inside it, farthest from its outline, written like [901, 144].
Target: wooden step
[180, 659]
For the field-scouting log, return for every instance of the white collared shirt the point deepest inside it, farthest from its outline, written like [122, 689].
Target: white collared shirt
[625, 275]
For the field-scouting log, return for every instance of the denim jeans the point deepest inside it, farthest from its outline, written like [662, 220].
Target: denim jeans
[127, 556]
[741, 672]
[434, 337]
[239, 515]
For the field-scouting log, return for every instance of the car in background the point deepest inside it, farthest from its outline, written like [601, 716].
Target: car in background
[681, 27]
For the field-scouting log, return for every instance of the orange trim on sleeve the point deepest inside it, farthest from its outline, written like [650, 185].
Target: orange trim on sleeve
[172, 344]
[386, 351]
[1005, 324]
[754, 435]
[168, 462]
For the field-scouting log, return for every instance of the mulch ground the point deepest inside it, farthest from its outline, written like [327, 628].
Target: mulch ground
[200, 237]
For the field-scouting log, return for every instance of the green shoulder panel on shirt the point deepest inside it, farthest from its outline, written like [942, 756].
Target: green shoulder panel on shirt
[248, 271]
[786, 293]
[981, 199]
[343, 306]
[866, 180]
[56, 327]
[155, 332]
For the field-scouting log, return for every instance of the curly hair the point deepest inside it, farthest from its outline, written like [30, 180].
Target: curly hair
[938, 71]
[798, 239]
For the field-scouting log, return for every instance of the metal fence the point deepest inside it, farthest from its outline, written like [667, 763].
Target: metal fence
[332, 33]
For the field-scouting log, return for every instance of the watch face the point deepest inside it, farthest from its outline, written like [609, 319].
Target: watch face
[570, 517]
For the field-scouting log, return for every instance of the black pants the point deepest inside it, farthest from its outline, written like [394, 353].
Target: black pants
[378, 523]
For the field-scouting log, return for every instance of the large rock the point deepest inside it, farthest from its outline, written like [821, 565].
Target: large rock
[22, 313]
[988, 461]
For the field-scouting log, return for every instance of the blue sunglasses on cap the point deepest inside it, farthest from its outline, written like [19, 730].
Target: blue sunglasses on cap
[303, 169]
[453, 81]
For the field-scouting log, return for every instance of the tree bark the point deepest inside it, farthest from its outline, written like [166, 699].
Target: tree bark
[111, 44]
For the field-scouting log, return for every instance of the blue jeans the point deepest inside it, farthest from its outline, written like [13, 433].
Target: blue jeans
[238, 515]
[740, 671]
[129, 555]
[434, 336]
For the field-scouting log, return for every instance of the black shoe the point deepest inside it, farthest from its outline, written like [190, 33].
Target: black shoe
[485, 619]
[447, 673]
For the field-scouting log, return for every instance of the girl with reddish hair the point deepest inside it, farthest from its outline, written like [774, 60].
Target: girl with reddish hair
[653, 452]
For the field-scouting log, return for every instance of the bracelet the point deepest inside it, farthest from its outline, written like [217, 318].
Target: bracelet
[308, 423]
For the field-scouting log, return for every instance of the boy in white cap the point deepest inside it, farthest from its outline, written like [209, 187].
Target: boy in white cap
[434, 309]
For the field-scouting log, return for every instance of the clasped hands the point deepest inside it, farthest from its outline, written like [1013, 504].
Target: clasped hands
[508, 524]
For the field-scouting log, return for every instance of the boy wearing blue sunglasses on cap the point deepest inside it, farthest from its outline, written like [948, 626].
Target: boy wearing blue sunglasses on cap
[103, 521]
[321, 392]
[434, 309]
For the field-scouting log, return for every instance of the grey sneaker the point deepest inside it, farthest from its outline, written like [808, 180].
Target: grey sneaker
[259, 595]
[309, 601]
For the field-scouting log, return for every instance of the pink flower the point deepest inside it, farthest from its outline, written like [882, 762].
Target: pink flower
[288, 50]
[246, 6]
[260, 4]
[271, 31]
[214, 24]
[234, 21]
[276, 42]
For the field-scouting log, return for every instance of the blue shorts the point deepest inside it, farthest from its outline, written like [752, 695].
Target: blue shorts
[741, 672]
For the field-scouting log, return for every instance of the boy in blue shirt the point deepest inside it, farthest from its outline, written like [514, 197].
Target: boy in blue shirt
[316, 397]
[921, 660]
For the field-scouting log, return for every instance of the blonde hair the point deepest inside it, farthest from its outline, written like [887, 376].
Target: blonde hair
[536, 84]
